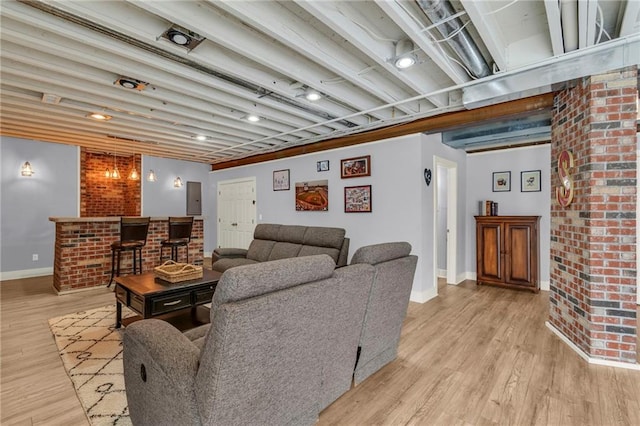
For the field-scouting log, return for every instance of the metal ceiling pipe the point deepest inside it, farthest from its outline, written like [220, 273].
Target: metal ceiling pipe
[461, 43]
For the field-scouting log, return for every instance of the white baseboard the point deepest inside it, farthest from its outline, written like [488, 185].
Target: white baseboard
[545, 286]
[590, 360]
[442, 273]
[26, 273]
[423, 296]
[208, 253]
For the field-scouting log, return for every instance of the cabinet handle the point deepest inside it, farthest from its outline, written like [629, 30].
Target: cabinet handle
[234, 224]
[175, 302]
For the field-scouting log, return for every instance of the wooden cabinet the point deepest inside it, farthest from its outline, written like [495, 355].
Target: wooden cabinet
[507, 251]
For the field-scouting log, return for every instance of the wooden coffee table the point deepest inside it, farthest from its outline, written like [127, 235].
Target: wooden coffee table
[151, 297]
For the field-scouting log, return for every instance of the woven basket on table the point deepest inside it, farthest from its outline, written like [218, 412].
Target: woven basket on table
[175, 272]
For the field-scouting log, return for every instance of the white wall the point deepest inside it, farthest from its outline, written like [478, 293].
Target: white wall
[480, 168]
[161, 198]
[397, 192]
[26, 203]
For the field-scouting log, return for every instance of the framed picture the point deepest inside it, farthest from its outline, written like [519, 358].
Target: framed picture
[312, 196]
[323, 166]
[357, 199]
[530, 181]
[501, 181]
[355, 167]
[281, 180]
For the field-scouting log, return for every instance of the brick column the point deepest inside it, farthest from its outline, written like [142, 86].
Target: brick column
[593, 240]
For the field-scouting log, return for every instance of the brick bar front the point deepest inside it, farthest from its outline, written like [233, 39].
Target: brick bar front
[82, 257]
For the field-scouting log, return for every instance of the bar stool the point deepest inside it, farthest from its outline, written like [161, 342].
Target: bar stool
[179, 235]
[133, 237]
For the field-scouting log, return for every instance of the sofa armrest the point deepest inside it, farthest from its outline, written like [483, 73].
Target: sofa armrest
[228, 253]
[160, 366]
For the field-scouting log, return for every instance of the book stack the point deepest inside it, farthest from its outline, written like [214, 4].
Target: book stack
[488, 208]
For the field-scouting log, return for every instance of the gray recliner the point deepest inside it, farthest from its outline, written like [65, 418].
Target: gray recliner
[281, 347]
[387, 304]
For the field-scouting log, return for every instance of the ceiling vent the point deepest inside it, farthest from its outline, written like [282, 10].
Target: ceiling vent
[48, 98]
[131, 83]
[182, 37]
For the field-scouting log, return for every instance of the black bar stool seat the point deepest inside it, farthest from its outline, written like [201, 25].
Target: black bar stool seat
[179, 236]
[133, 237]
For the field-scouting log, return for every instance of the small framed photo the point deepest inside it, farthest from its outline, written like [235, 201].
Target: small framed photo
[355, 167]
[281, 180]
[323, 166]
[501, 181]
[530, 181]
[357, 199]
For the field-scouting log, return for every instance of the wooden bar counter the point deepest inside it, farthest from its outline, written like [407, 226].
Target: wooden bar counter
[82, 257]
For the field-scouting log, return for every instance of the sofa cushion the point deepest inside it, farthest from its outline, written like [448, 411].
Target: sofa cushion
[292, 234]
[266, 231]
[252, 280]
[259, 250]
[313, 250]
[378, 253]
[224, 264]
[284, 251]
[324, 237]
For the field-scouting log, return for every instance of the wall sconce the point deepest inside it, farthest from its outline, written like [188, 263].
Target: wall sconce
[151, 177]
[177, 183]
[26, 169]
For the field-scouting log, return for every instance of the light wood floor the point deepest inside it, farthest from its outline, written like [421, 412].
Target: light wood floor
[472, 356]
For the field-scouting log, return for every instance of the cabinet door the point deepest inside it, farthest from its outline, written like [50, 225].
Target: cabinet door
[519, 239]
[489, 255]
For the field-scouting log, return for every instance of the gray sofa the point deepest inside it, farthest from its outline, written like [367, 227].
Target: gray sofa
[281, 346]
[273, 242]
[387, 304]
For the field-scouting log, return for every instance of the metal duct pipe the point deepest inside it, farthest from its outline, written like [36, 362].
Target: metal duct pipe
[461, 43]
[569, 17]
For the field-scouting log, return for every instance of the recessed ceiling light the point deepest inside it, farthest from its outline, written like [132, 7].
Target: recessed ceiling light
[182, 37]
[312, 95]
[99, 116]
[178, 37]
[405, 62]
[201, 137]
[131, 83]
[405, 56]
[253, 118]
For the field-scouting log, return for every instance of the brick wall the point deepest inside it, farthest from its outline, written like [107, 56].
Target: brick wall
[101, 196]
[593, 240]
[82, 256]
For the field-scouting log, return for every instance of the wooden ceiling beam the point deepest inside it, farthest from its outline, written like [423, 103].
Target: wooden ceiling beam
[433, 124]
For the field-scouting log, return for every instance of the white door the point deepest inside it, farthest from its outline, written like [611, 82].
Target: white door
[236, 212]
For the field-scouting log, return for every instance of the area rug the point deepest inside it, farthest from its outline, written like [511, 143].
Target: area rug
[91, 352]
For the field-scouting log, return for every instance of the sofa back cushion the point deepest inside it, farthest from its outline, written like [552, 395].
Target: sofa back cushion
[324, 237]
[282, 250]
[259, 250]
[314, 250]
[252, 280]
[266, 338]
[377, 253]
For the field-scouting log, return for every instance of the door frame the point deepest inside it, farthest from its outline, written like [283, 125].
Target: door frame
[452, 219]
